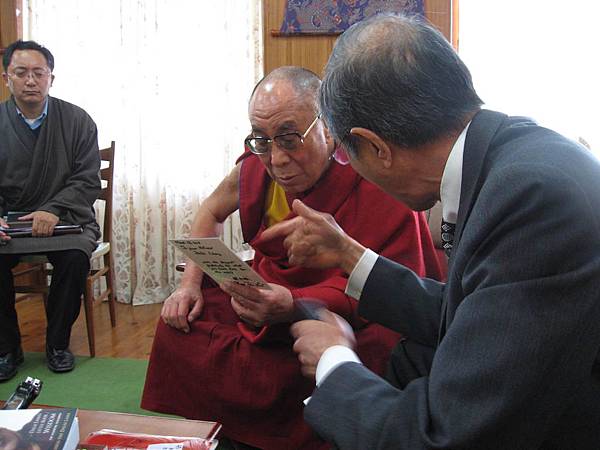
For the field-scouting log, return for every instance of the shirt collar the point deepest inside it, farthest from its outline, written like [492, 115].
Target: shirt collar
[37, 122]
[452, 179]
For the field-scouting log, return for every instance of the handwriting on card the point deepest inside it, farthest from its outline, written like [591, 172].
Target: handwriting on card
[218, 261]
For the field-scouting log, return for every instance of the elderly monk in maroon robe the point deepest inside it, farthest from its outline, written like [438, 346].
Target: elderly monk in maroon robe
[225, 353]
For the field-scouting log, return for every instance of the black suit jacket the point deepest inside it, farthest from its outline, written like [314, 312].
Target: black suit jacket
[516, 327]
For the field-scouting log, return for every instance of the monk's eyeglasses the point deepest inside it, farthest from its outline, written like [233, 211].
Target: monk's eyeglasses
[36, 74]
[286, 141]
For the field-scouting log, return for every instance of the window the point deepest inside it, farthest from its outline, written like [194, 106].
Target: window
[537, 58]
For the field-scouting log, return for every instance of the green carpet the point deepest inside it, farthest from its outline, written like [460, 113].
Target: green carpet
[106, 384]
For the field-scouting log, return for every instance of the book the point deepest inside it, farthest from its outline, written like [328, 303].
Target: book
[82, 446]
[114, 439]
[13, 216]
[18, 230]
[219, 262]
[39, 429]
[23, 228]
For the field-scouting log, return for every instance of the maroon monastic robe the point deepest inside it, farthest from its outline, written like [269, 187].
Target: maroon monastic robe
[250, 380]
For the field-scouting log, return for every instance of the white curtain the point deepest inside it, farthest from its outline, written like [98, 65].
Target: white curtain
[537, 58]
[169, 81]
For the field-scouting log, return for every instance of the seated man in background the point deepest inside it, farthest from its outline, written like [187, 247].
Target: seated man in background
[228, 357]
[49, 169]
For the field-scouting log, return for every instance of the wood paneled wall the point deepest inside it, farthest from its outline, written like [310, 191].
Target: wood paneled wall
[312, 52]
[10, 31]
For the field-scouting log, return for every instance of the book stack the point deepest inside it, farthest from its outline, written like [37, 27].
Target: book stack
[24, 229]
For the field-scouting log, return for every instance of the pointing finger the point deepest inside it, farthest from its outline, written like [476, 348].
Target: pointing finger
[281, 229]
[305, 211]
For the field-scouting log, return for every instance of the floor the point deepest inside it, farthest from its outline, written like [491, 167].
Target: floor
[131, 338]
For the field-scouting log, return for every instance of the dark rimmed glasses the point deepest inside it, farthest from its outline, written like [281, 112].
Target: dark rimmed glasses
[286, 141]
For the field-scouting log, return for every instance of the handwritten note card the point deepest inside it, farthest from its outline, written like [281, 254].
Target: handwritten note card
[218, 261]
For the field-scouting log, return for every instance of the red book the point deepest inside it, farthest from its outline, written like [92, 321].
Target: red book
[113, 439]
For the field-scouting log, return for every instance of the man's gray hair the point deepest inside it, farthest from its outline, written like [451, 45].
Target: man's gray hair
[398, 77]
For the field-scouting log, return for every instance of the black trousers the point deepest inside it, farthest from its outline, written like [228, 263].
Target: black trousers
[70, 269]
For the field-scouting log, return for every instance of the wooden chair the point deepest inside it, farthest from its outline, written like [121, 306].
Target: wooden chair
[39, 267]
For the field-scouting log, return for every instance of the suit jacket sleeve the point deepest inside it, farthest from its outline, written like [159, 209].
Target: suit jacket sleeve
[518, 352]
[396, 297]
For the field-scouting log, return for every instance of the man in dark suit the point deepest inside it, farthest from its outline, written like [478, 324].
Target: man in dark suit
[505, 355]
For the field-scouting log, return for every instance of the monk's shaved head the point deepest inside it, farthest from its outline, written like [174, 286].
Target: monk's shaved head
[304, 82]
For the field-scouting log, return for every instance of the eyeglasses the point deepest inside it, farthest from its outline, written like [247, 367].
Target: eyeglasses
[36, 74]
[286, 141]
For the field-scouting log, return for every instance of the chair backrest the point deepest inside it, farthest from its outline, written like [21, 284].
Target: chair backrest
[107, 156]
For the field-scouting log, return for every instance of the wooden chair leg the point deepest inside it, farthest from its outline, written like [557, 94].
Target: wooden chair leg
[110, 285]
[88, 303]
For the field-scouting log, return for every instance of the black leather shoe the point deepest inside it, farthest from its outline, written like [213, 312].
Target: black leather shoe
[9, 363]
[59, 360]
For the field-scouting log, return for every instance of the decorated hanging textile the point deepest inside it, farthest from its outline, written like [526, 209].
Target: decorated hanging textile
[335, 16]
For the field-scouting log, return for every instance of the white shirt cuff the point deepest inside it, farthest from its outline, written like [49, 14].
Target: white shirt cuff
[360, 273]
[330, 359]
[333, 357]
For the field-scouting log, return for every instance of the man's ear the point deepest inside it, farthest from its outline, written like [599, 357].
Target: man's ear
[51, 80]
[381, 150]
[328, 139]
[5, 78]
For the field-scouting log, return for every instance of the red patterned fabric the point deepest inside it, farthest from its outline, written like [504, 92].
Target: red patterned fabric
[250, 381]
